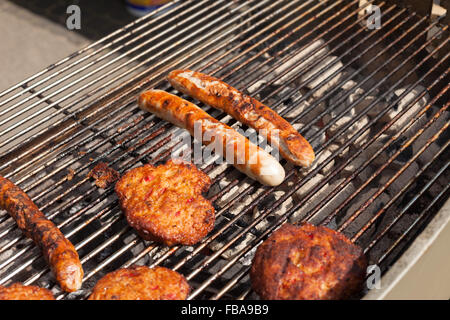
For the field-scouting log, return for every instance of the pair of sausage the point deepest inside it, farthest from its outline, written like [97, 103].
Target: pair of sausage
[57, 250]
[247, 157]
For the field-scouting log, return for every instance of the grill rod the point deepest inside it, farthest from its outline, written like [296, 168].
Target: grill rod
[81, 110]
[245, 271]
[103, 76]
[398, 195]
[87, 48]
[313, 52]
[106, 46]
[257, 220]
[395, 137]
[383, 148]
[415, 223]
[37, 183]
[259, 239]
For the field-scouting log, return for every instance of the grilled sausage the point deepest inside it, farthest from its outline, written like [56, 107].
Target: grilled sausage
[57, 250]
[247, 157]
[212, 91]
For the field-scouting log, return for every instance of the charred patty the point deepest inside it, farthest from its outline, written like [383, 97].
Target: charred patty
[141, 283]
[165, 204]
[307, 263]
[17, 291]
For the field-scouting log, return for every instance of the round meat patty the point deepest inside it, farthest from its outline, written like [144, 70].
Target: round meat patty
[307, 263]
[165, 204]
[17, 291]
[141, 283]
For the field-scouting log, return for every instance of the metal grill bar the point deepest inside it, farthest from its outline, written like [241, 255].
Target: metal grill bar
[228, 49]
[365, 205]
[75, 63]
[36, 183]
[398, 195]
[105, 85]
[135, 48]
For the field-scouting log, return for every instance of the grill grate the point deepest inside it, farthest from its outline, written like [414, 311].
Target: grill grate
[81, 110]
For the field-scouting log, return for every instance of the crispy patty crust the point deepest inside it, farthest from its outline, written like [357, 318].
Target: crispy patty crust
[307, 263]
[141, 283]
[165, 204]
[18, 291]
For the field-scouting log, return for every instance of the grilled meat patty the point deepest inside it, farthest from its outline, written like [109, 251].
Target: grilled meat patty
[307, 263]
[141, 283]
[57, 250]
[17, 291]
[165, 204]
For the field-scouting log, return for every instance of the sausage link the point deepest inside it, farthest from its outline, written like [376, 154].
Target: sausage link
[57, 250]
[214, 92]
[247, 157]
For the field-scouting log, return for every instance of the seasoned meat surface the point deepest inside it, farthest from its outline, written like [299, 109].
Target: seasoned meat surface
[103, 175]
[307, 263]
[17, 291]
[141, 283]
[239, 151]
[247, 110]
[165, 204]
[59, 252]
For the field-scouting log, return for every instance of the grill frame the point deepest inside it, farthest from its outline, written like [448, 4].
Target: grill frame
[156, 133]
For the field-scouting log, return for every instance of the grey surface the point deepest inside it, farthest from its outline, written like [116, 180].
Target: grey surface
[422, 271]
[29, 43]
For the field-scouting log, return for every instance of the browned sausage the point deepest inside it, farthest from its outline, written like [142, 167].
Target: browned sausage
[247, 157]
[57, 250]
[214, 92]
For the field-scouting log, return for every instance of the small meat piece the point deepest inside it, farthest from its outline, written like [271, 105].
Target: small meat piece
[165, 204]
[104, 176]
[141, 283]
[59, 252]
[70, 175]
[307, 263]
[17, 291]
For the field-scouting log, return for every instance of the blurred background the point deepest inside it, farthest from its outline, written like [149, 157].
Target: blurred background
[34, 32]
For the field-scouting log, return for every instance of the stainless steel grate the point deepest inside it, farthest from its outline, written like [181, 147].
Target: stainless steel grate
[81, 110]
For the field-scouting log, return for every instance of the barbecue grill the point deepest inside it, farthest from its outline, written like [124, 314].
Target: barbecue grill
[372, 102]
